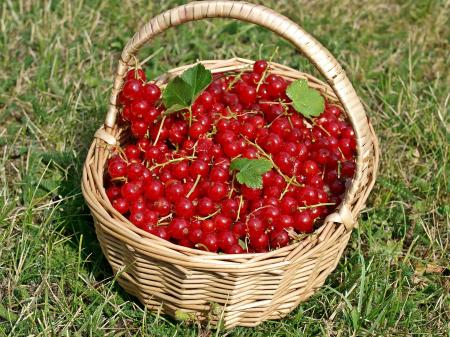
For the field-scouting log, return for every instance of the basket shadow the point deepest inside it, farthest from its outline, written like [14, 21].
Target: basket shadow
[75, 219]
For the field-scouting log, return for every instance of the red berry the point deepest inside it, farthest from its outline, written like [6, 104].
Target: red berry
[208, 226]
[272, 143]
[160, 232]
[277, 87]
[248, 130]
[279, 239]
[184, 208]
[337, 187]
[151, 92]
[161, 206]
[137, 74]
[255, 226]
[335, 110]
[247, 95]
[205, 206]
[151, 218]
[153, 189]
[271, 214]
[284, 221]
[150, 115]
[207, 99]
[230, 207]
[117, 168]
[138, 205]
[250, 193]
[137, 218]
[178, 228]
[219, 174]
[195, 235]
[222, 222]
[139, 128]
[180, 170]
[174, 191]
[310, 167]
[226, 239]
[348, 169]
[210, 242]
[234, 249]
[307, 196]
[303, 222]
[260, 66]
[284, 161]
[263, 92]
[239, 229]
[139, 108]
[135, 171]
[130, 191]
[217, 191]
[113, 192]
[121, 205]
[288, 205]
[132, 89]
[260, 242]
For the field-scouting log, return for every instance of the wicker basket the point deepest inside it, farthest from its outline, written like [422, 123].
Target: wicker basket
[242, 289]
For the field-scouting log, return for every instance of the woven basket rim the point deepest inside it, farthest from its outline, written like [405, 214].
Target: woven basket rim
[232, 65]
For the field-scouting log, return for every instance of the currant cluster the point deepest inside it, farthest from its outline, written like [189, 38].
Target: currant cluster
[174, 179]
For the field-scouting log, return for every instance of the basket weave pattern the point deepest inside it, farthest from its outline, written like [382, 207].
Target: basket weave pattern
[248, 288]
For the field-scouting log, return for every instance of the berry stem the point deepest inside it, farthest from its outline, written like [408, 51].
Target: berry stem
[264, 74]
[232, 185]
[159, 130]
[170, 161]
[301, 208]
[161, 220]
[190, 116]
[287, 187]
[201, 245]
[237, 77]
[241, 201]
[323, 129]
[209, 216]
[269, 157]
[275, 102]
[256, 210]
[194, 186]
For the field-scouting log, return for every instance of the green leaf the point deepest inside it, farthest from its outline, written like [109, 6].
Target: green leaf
[250, 171]
[182, 91]
[307, 101]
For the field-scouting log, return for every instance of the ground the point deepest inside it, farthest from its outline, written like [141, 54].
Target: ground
[57, 61]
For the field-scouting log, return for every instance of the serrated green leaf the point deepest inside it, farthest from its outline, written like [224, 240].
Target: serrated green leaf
[250, 171]
[198, 78]
[176, 95]
[307, 101]
[182, 91]
[239, 163]
[249, 179]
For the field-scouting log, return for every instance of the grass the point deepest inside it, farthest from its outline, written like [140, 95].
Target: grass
[57, 60]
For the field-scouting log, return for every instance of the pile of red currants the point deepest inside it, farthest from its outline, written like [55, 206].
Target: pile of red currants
[174, 180]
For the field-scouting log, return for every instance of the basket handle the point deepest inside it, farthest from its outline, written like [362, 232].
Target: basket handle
[318, 55]
[257, 14]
